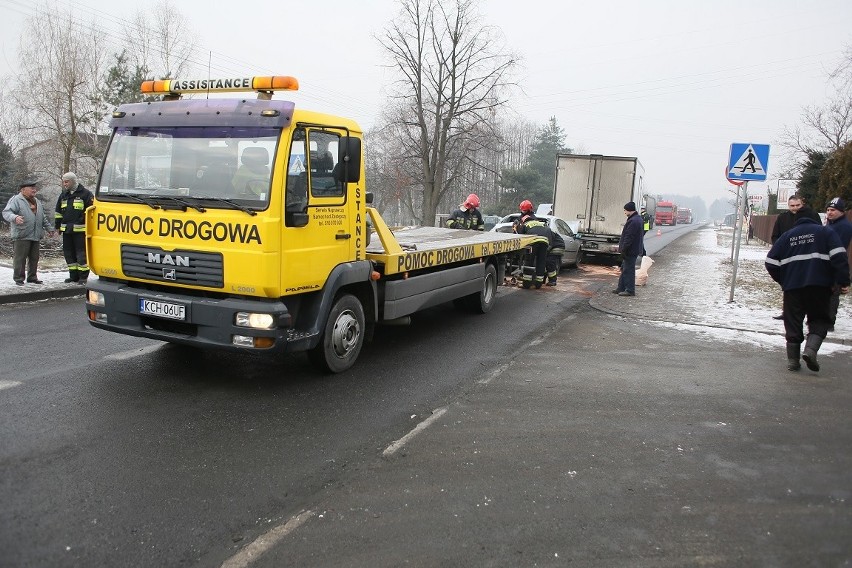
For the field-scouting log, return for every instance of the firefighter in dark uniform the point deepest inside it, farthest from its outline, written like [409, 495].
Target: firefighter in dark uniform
[467, 216]
[71, 222]
[554, 257]
[529, 224]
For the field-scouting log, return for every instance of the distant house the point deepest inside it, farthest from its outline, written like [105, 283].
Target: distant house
[45, 162]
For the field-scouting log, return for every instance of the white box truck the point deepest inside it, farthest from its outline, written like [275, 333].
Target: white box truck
[592, 190]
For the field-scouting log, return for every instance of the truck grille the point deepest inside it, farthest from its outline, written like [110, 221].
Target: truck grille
[178, 266]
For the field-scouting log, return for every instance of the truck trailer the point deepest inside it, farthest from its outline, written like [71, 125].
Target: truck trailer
[593, 189]
[245, 224]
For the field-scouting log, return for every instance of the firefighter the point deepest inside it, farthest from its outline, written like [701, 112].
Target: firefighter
[529, 224]
[646, 226]
[71, 222]
[467, 216]
[554, 257]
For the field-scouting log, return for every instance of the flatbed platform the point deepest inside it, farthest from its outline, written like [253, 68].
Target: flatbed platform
[425, 247]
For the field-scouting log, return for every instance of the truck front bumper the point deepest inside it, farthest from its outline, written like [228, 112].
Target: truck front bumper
[190, 320]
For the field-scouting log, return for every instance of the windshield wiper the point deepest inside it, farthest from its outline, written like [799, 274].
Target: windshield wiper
[233, 204]
[183, 202]
[134, 198]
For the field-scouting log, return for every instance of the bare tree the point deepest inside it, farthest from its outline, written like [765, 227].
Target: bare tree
[824, 128]
[454, 76]
[56, 98]
[160, 41]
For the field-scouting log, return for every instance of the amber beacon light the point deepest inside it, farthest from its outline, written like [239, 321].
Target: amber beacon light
[231, 85]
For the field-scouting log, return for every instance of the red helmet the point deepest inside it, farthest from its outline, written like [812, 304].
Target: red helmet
[526, 206]
[471, 201]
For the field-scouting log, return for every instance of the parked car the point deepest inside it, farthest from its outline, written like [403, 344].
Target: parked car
[573, 247]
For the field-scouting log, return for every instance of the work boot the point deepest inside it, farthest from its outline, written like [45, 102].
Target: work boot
[812, 345]
[793, 350]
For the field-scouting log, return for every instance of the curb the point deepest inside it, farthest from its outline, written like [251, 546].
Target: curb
[52, 294]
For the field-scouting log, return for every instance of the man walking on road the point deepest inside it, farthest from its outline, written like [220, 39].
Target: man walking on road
[785, 221]
[807, 261]
[631, 246]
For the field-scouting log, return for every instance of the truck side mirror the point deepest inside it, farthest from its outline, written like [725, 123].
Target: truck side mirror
[349, 159]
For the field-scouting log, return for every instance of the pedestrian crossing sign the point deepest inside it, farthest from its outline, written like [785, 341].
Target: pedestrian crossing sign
[748, 162]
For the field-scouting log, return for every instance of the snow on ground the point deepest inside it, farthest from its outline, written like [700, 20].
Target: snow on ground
[53, 278]
[699, 287]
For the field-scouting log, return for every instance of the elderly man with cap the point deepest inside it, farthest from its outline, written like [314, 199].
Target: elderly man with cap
[835, 213]
[28, 222]
[630, 246]
[71, 222]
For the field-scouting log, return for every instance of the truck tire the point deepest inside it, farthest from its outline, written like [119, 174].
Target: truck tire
[483, 301]
[343, 336]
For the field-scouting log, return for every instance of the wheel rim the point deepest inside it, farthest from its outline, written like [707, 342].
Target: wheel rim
[345, 334]
[488, 291]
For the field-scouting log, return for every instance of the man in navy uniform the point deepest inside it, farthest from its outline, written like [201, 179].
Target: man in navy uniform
[808, 261]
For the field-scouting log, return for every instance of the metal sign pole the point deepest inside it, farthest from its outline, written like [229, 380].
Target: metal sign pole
[736, 217]
[738, 234]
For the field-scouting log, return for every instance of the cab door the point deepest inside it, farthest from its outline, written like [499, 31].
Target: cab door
[318, 220]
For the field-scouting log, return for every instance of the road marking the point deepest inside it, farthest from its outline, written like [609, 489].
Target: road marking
[389, 451]
[124, 355]
[8, 384]
[264, 542]
[496, 372]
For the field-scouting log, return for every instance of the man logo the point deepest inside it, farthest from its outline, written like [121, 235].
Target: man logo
[169, 274]
[173, 260]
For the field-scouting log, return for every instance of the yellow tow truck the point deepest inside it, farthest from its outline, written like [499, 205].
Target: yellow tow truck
[244, 223]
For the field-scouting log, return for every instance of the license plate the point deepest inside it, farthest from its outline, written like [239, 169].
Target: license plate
[590, 245]
[162, 309]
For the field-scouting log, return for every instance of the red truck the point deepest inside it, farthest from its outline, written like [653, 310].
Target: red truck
[666, 213]
[684, 215]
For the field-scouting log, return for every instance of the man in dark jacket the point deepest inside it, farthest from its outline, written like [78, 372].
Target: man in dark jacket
[630, 246]
[835, 213]
[807, 261]
[785, 221]
[71, 222]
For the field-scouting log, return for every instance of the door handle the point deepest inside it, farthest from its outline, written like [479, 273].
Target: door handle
[342, 236]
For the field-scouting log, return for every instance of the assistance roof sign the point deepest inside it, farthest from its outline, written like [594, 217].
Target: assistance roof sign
[748, 162]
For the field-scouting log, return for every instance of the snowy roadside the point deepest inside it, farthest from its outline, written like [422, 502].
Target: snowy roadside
[756, 296]
[696, 284]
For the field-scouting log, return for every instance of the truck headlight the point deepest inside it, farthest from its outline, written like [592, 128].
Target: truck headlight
[96, 298]
[255, 321]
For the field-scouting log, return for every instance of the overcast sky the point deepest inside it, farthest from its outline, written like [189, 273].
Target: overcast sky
[673, 83]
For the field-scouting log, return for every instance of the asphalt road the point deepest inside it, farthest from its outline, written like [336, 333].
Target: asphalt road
[125, 451]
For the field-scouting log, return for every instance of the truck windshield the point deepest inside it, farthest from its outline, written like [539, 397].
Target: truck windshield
[664, 209]
[214, 165]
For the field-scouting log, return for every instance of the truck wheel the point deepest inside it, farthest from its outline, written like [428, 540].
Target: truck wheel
[343, 336]
[483, 301]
